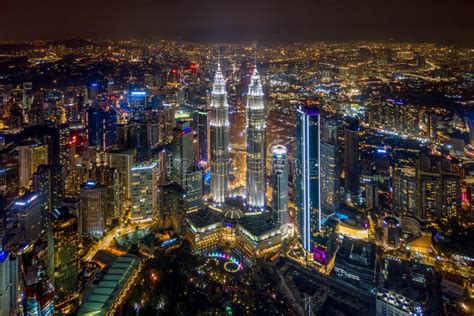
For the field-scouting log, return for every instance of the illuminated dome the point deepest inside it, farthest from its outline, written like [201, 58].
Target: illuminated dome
[233, 214]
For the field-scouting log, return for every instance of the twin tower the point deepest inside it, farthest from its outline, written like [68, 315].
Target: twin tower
[219, 142]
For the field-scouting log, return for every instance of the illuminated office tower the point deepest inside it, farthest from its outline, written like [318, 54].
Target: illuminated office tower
[351, 158]
[438, 188]
[123, 161]
[27, 95]
[49, 183]
[308, 185]
[17, 117]
[172, 207]
[391, 232]
[9, 175]
[432, 126]
[63, 249]
[219, 139]
[256, 150]
[160, 123]
[64, 151]
[137, 98]
[77, 175]
[330, 167]
[183, 154]
[38, 295]
[30, 157]
[451, 196]
[8, 283]
[42, 184]
[185, 172]
[102, 127]
[8, 278]
[280, 185]
[371, 196]
[404, 192]
[200, 127]
[429, 189]
[330, 178]
[144, 189]
[93, 208]
[138, 138]
[93, 91]
[37, 113]
[27, 211]
[110, 178]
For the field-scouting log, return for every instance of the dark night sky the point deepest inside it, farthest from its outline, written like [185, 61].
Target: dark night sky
[449, 21]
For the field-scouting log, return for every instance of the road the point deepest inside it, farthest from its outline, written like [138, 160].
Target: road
[106, 241]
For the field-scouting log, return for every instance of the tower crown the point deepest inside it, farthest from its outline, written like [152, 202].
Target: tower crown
[255, 87]
[219, 82]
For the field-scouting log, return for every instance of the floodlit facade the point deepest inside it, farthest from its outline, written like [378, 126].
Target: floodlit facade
[256, 145]
[280, 185]
[219, 135]
[308, 184]
[144, 187]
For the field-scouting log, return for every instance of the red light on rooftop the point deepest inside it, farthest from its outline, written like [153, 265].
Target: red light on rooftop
[74, 140]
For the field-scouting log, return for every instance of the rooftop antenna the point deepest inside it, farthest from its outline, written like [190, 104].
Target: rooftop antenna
[218, 56]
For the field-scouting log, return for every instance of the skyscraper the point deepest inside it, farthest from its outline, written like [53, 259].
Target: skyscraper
[93, 91]
[27, 95]
[371, 196]
[8, 278]
[172, 207]
[93, 208]
[37, 113]
[280, 185]
[144, 188]
[185, 172]
[30, 157]
[219, 135]
[200, 127]
[48, 181]
[351, 157]
[8, 283]
[63, 247]
[102, 127]
[256, 150]
[404, 191]
[138, 138]
[308, 184]
[330, 167]
[438, 188]
[27, 211]
[123, 162]
[183, 155]
[110, 177]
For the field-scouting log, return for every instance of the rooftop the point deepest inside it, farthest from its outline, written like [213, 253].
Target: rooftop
[100, 297]
[257, 225]
[203, 218]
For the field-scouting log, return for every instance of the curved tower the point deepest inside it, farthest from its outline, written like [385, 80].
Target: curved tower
[219, 137]
[256, 184]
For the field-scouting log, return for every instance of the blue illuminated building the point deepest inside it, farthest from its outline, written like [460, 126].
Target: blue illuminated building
[307, 184]
[27, 212]
[102, 127]
[137, 99]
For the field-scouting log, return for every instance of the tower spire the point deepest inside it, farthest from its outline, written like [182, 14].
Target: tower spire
[256, 144]
[219, 137]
